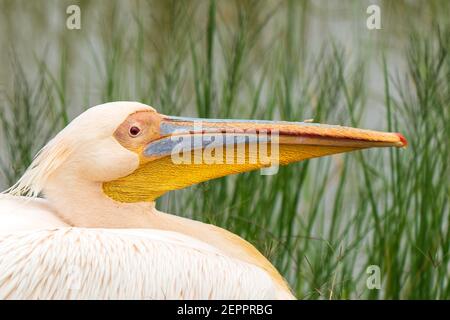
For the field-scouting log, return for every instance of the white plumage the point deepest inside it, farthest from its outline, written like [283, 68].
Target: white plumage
[78, 263]
[43, 258]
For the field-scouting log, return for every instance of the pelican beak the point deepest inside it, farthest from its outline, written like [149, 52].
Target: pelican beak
[191, 150]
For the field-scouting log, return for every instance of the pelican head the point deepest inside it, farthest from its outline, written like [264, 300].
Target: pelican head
[135, 154]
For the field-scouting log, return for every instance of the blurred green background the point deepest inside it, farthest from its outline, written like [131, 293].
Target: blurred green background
[322, 222]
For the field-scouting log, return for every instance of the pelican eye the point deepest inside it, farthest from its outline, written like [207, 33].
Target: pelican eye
[134, 131]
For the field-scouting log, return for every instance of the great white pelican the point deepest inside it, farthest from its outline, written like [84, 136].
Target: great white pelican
[81, 222]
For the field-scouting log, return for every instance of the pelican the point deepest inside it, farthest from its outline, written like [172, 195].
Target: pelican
[81, 222]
